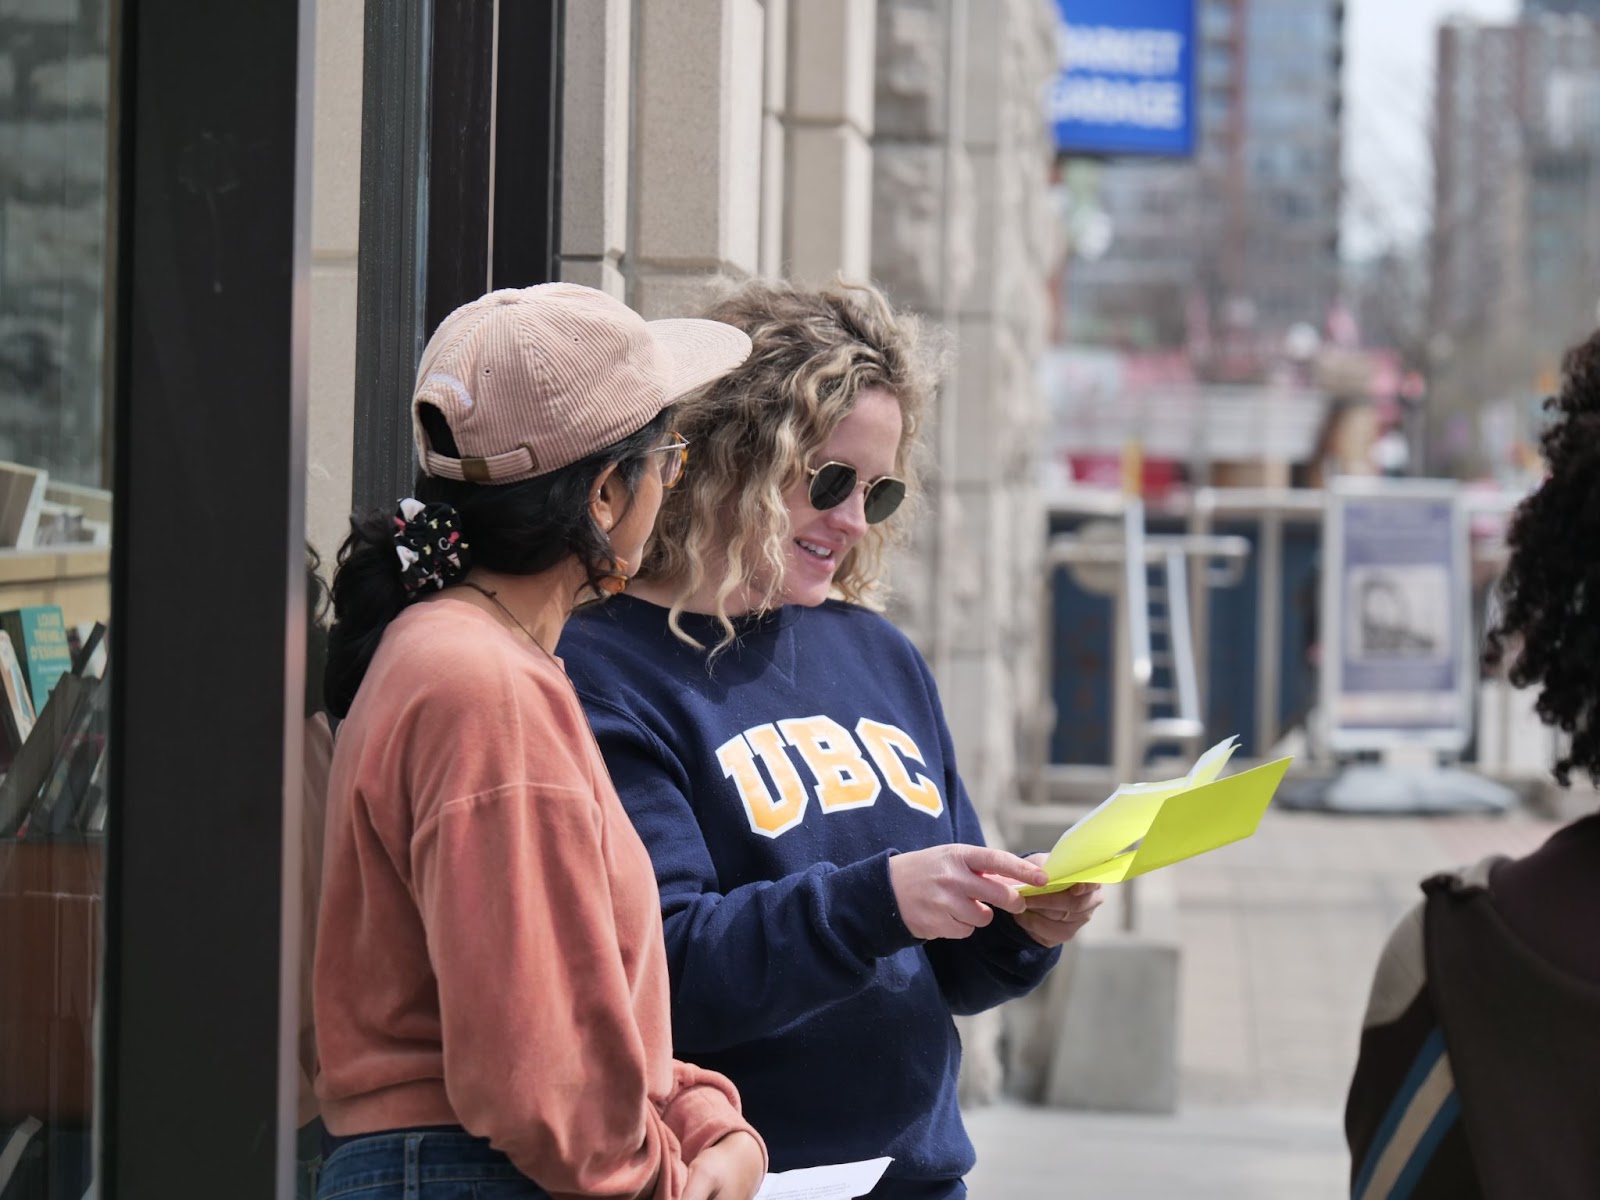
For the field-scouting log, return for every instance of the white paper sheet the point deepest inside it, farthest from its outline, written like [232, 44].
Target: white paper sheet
[843, 1182]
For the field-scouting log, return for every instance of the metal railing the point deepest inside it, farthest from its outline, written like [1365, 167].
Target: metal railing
[1131, 555]
[1119, 566]
[1273, 508]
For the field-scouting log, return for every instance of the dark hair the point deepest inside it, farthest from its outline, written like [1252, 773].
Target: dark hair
[1550, 585]
[522, 528]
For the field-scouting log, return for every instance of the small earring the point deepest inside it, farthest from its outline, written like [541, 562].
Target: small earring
[615, 581]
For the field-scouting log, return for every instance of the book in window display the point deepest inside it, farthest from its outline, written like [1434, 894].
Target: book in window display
[91, 817]
[16, 705]
[58, 731]
[56, 809]
[39, 636]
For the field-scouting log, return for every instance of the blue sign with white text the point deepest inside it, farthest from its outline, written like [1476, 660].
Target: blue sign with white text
[1125, 77]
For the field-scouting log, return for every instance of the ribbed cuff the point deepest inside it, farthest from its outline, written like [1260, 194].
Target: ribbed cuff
[1006, 933]
[860, 909]
[702, 1116]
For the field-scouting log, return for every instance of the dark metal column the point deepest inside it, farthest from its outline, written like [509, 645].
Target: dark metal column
[208, 621]
[390, 329]
[527, 175]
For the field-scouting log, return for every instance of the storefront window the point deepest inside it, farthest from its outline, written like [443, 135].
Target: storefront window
[55, 533]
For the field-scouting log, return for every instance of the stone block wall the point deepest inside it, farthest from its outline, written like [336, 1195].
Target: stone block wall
[715, 137]
[670, 143]
[962, 232]
[827, 222]
[335, 237]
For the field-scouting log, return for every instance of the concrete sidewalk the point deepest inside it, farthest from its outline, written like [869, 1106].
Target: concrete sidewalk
[1280, 935]
[1201, 1154]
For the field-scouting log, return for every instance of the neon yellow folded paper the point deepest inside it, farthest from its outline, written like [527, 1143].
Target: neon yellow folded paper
[1144, 826]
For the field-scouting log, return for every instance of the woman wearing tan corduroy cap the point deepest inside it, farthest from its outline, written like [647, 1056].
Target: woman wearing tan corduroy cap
[490, 983]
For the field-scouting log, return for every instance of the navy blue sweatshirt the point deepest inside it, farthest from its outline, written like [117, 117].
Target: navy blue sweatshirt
[771, 788]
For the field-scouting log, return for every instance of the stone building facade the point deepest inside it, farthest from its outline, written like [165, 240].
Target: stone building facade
[964, 231]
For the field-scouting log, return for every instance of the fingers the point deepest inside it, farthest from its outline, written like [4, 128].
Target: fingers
[1081, 898]
[1056, 918]
[974, 914]
[1048, 931]
[700, 1185]
[995, 891]
[957, 916]
[988, 860]
[728, 1169]
[948, 891]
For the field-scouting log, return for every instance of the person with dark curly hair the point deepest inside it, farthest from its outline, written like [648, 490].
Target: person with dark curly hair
[1479, 1057]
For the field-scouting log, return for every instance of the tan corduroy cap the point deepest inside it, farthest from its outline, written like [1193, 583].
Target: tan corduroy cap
[530, 380]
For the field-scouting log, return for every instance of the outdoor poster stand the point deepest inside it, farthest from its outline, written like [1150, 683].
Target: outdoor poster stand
[1397, 645]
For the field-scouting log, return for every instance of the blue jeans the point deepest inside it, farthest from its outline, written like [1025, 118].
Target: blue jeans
[423, 1166]
[308, 1159]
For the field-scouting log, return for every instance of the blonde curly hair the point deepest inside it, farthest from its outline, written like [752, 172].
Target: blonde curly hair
[754, 430]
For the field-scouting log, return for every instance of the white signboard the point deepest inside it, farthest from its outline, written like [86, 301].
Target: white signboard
[1397, 647]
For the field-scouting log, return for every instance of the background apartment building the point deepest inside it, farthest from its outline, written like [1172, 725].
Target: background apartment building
[1514, 265]
[1224, 253]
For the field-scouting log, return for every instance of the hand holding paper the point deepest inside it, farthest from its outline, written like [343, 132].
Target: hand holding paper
[948, 891]
[1167, 822]
[1055, 919]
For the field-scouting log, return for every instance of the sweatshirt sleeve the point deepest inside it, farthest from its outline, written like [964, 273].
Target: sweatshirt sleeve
[1000, 961]
[751, 960]
[702, 1110]
[549, 1065]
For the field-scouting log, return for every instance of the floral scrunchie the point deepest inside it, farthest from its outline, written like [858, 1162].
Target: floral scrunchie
[427, 539]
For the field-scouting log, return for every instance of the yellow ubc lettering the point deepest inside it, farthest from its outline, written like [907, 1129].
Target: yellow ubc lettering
[844, 778]
[768, 816]
[882, 741]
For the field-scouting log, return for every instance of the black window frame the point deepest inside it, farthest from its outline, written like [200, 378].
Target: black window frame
[460, 192]
[208, 321]
[208, 324]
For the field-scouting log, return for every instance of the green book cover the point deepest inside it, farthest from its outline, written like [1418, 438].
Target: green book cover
[39, 636]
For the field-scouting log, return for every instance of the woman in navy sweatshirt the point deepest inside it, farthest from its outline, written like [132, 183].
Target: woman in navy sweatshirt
[828, 900]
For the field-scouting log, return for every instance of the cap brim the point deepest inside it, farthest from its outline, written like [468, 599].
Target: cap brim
[699, 351]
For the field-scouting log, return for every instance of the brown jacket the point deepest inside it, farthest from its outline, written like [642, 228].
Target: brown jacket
[1480, 1055]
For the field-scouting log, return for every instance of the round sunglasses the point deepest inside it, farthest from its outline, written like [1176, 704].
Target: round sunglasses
[833, 482]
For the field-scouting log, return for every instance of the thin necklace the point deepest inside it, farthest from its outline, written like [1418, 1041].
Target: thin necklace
[489, 592]
[500, 604]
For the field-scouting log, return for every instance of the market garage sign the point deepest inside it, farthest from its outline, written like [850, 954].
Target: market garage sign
[1125, 77]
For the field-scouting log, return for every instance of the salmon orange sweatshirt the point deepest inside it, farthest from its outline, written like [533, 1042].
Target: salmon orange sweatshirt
[489, 950]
